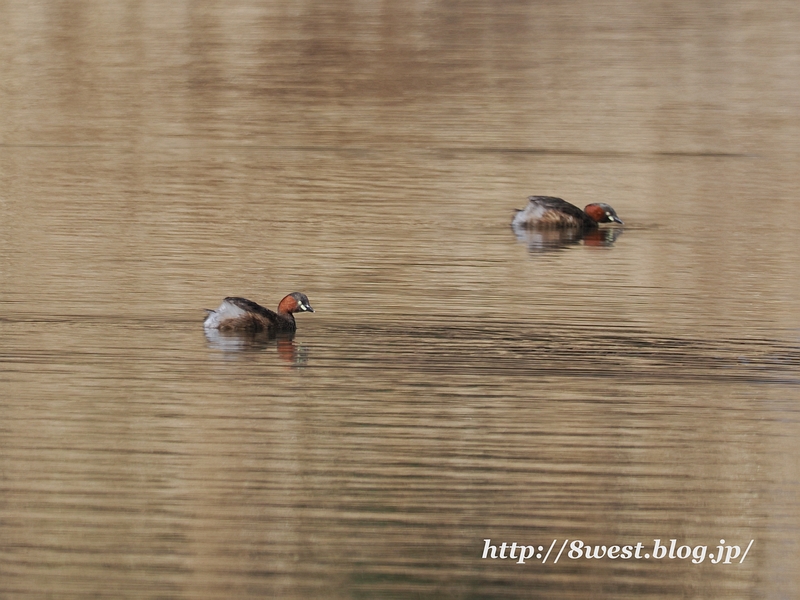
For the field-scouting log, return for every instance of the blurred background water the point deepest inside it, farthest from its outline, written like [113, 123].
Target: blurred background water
[457, 382]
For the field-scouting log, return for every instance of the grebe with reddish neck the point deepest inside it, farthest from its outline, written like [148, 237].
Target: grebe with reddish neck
[241, 314]
[547, 212]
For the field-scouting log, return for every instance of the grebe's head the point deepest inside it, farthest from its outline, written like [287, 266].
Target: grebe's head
[602, 213]
[295, 302]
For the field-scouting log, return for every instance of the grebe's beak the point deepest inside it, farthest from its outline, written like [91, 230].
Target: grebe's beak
[615, 219]
[306, 308]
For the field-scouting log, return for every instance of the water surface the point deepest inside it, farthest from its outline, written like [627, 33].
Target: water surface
[457, 382]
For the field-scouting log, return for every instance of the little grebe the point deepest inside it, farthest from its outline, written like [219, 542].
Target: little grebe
[546, 212]
[240, 314]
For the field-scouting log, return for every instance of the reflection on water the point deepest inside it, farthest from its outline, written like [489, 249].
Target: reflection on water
[546, 240]
[459, 382]
[248, 341]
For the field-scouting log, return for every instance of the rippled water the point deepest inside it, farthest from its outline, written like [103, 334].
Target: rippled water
[458, 382]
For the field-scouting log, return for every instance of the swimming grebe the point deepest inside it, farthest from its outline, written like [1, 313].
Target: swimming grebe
[240, 314]
[546, 212]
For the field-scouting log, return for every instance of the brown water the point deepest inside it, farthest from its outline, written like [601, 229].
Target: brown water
[456, 383]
